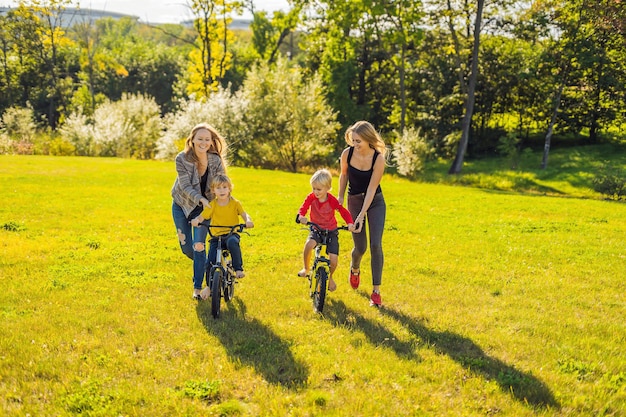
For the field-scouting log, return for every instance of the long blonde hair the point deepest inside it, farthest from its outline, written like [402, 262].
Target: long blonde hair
[367, 132]
[219, 144]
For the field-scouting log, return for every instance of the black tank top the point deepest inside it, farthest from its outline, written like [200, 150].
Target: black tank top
[358, 180]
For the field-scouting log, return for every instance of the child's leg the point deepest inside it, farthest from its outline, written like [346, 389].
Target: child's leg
[334, 259]
[232, 243]
[306, 254]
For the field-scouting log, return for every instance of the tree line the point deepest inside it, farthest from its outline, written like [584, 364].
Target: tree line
[439, 79]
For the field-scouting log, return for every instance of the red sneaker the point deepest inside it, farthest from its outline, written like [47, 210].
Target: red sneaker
[355, 279]
[375, 299]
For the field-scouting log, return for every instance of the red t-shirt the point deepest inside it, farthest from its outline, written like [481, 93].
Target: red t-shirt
[324, 213]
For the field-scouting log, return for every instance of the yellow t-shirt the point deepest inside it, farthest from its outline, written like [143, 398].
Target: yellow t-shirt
[227, 215]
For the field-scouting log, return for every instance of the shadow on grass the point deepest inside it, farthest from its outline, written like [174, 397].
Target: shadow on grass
[249, 342]
[523, 386]
[339, 315]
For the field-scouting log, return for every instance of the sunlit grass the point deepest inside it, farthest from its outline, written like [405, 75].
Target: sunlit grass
[569, 173]
[496, 302]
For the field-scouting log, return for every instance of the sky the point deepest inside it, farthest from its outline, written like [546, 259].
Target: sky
[158, 11]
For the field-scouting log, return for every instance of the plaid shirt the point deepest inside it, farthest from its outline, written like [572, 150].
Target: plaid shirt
[186, 190]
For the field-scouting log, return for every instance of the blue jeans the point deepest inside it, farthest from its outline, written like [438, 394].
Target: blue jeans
[188, 237]
[232, 244]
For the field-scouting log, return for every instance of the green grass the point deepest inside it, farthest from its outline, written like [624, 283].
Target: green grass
[569, 173]
[496, 303]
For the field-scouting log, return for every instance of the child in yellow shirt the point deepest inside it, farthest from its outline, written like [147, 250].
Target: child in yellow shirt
[224, 210]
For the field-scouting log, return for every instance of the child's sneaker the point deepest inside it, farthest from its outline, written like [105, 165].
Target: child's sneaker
[375, 299]
[355, 279]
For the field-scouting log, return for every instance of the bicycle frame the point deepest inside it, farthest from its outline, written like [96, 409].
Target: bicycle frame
[220, 275]
[320, 271]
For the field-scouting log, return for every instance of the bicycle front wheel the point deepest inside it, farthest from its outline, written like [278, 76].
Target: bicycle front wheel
[216, 292]
[229, 287]
[319, 293]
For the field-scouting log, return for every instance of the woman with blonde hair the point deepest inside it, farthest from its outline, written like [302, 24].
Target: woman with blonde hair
[362, 167]
[203, 158]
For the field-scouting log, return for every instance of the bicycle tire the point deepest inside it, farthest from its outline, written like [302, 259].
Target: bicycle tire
[319, 292]
[229, 288]
[216, 293]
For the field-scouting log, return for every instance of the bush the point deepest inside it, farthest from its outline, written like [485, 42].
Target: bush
[411, 151]
[291, 125]
[127, 128]
[611, 182]
[222, 110]
[78, 131]
[509, 146]
[61, 147]
[18, 131]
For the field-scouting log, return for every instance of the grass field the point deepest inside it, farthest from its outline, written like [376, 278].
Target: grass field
[495, 303]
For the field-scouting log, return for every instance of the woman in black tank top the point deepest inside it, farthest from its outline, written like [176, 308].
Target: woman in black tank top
[362, 168]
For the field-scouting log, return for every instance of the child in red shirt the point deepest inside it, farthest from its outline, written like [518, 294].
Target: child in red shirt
[323, 206]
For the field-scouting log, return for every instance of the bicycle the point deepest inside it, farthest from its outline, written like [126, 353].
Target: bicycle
[221, 277]
[320, 272]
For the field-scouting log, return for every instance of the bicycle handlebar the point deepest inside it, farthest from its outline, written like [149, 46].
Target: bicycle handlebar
[234, 228]
[318, 227]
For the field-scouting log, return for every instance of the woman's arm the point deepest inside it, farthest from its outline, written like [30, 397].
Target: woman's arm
[343, 176]
[185, 171]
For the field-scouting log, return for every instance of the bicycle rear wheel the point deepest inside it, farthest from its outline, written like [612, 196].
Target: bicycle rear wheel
[216, 293]
[319, 293]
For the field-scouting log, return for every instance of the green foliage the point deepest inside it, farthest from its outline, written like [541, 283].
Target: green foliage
[204, 390]
[13, 226]
[509, 146]
[611, 182]
[61, 147]
[88, 399]
[290, 123]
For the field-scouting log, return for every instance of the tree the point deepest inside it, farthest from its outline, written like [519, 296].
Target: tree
[270, 34]
[52, 38]
[212, 57]
[457, 164]
[291, 125]
[400, 28]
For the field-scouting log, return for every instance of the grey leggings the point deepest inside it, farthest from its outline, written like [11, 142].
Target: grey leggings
[376, 223]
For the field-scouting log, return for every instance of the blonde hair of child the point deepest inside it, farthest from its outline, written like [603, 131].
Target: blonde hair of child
[220, 179]
[322, 177]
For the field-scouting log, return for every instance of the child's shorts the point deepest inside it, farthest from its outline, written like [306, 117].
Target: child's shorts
[332, 242]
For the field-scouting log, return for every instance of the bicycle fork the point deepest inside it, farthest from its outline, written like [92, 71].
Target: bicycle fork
[319, 263]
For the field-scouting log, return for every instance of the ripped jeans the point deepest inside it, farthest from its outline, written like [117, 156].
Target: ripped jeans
[190, 237]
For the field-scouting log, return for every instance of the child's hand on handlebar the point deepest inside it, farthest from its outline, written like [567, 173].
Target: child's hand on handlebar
[302, 219]
[195, 222]
[249, 224]
[351, 227]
